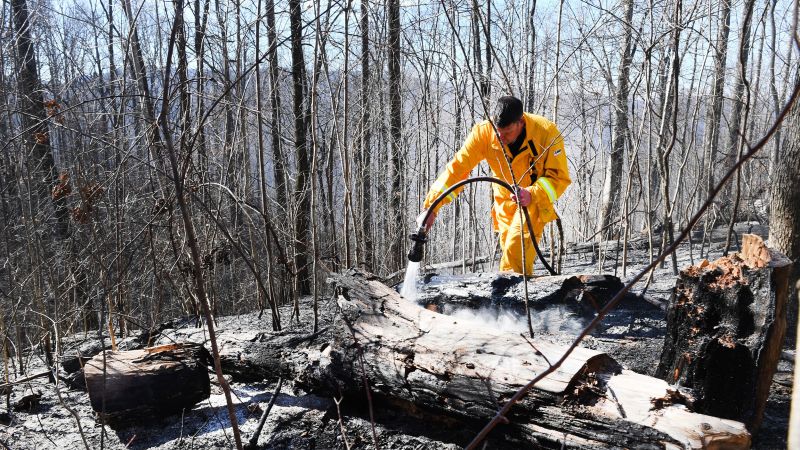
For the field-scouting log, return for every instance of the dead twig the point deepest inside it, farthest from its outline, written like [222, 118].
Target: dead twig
[341, 421]
[5, 386]
[251, 444]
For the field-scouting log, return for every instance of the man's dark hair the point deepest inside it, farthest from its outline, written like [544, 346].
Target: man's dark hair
[507, 111]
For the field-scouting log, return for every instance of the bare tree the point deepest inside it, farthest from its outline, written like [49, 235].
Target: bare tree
[301, 124]
[33, 117]
[396, 130]
[613, 179]
[717, 98]
[365, 136]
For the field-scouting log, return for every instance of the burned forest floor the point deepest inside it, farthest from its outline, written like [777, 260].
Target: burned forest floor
[57, 416]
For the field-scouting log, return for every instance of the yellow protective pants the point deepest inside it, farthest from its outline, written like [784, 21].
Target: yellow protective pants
[511, 238]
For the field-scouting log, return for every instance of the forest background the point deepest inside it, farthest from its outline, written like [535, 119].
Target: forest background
[159, 158]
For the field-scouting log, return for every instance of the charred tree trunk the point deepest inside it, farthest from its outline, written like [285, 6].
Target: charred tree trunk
[397, 229]
[726, 324]
[301, 122]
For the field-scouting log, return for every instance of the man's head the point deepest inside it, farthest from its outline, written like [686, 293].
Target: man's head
[508, 118]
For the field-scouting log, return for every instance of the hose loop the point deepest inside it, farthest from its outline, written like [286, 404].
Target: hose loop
[502, 183]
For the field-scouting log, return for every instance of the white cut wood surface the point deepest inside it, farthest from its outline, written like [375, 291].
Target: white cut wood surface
[632, 394]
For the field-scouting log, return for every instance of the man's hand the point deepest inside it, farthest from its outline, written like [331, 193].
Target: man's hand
[429, 223]
[521, 196]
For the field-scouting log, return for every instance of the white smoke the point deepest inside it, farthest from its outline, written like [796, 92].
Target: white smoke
[555, 319]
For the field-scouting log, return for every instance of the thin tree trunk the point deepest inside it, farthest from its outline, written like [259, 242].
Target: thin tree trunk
[717, 98]
[739, 120]
[278, 159]
[529, 92]
[36, 135]
[737, 110]
[140, 73]
[301, 151]
[262, 176]
[191, 239]
[365, 138]
[200, 21]
[613, 178]
[397, 236]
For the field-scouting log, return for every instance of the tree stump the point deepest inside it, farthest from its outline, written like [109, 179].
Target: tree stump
[725, 328]
[152, 382]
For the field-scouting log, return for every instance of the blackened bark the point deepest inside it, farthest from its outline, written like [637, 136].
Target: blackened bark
[126, 386]
[725, 329]
[302, 218]
[396, 132]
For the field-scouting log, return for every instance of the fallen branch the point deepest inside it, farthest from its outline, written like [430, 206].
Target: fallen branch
[253, 442]
[5, 386]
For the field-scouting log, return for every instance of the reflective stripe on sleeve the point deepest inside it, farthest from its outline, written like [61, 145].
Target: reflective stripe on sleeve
[441, 186]
[545, 184]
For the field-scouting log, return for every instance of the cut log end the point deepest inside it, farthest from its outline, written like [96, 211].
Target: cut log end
[129, 385]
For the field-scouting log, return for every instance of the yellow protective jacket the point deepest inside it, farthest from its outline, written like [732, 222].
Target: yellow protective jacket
[546, 181]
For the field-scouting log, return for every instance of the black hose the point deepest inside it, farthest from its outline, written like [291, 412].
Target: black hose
[494, 180]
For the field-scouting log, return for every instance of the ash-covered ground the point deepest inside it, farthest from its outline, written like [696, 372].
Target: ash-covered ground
[632, 334]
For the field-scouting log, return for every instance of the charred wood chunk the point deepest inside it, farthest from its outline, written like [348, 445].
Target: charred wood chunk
[152, 382]
[725, 327]
[28, 403]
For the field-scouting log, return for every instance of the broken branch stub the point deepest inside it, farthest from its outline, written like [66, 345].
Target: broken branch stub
[725, 327]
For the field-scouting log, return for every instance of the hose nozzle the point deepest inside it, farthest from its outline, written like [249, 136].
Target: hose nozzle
[417, 248]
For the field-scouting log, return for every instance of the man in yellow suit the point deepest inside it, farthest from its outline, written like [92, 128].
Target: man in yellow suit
[532, 149]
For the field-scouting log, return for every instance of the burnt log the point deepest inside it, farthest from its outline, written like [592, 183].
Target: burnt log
[583, 295]
[460, 369]
[725, 328]
[135, 385]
